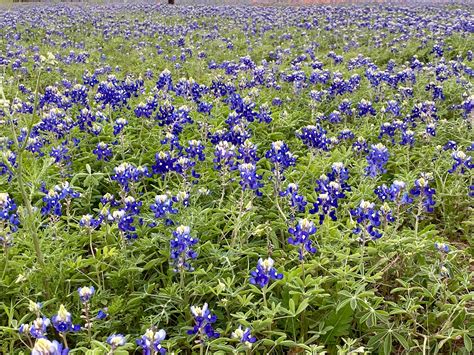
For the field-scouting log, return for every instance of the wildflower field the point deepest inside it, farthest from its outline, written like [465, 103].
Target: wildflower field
[236, 179]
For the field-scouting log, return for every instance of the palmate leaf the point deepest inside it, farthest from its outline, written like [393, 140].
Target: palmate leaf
[339, 322]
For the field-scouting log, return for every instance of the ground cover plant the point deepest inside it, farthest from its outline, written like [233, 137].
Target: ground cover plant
[197, 179]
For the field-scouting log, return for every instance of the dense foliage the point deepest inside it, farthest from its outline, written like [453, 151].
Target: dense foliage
[236, 179]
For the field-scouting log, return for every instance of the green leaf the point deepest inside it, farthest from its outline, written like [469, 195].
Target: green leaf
[467, 342]
[387, 344]
[340, 321]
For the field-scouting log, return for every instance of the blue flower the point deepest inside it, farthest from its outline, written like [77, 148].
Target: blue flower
[103, 151]
[163, 206]
[182, 251]
[442, 247]
[203, 319]
[102, 314]
[249, 178]
[45, 347]
[85, 293]
[37, 329]
[424, 192]
[377, 159]
[88, 221]
[298, 202]
[360, 145]
[365, 107]
[224, 155]
[116, 340]
[127, 173]
[248, 152]
[264, 272]
[244, 336]
[368, 219]
[280, 156]
[304, 229]
[8, 215]
[62, 321]
[119, 125]
[196, 149]
[150, 342]
[314, 137]
[462, 160]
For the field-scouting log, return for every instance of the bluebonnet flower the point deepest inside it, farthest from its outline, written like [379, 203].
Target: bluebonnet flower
[377, 159]
[264, 272]
[45, 347]
[365, 107]
[249, 179]
[119, 125]
[335, 117]
[85, 293]
[393, 107]
[248, 152]
[368, 219]
[163, 206]
[345, 107]
[146, 109]
[450, 145]
[297, 202]
[101, 314]
[388, 129]
[131, 205]
[9, 220]
[183, 165]
[125, 174]
[431, 129]
[62, 321]
[8, 163]
[203, 319]
[442, 247]
[424, 192]
[462, 160]
[150, 342]
[164, 163]
[314, 137]
[116, 340]
[346, 134]
[37, 329]
[393, 193]
[408, 138]
[360, 145]
[125, 222]
[109, 199]
[224, 155]
[164, 80]
[53, 198]
[78, 94]
[280, 156]
[103, 151]
[301, 236]
[60, 153]
[196, 149]
[244, 336]
[182, 249]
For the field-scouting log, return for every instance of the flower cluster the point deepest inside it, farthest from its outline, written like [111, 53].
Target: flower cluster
[264, 272]
[301, 237]
[182, 251]
[280, 156]
[150, 342]
[377, 159]
[424, 192]
[249, 179]
[368, 219]
[203, 319]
